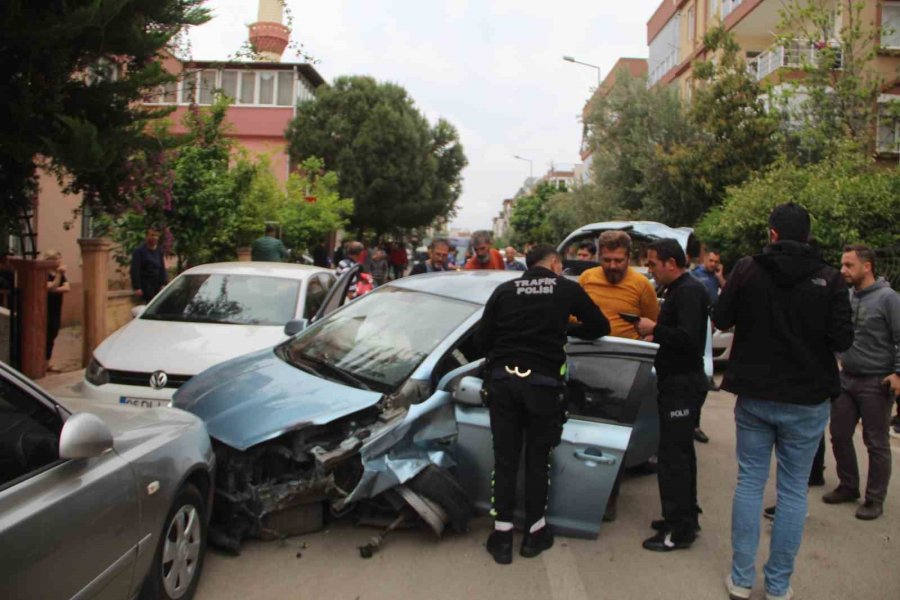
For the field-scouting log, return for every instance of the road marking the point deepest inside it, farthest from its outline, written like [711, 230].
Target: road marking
[562, 573]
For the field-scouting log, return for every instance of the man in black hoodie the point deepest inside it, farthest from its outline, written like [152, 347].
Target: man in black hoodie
[791, 313]
[523, 333]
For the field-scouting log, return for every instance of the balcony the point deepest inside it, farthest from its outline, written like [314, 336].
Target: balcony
[796, 55]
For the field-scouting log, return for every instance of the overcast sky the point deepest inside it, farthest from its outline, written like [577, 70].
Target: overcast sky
[493, 68]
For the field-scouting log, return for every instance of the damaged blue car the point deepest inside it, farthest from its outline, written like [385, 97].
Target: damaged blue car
[375, 408]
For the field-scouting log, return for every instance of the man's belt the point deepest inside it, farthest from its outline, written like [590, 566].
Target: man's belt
[528, 375]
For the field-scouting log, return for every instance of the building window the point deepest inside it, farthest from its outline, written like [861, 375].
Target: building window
[890, 25]
[887, 137]
[207, 86]
[285, 88]
[691, 26]
[230, 84]
[304, 91]
[712, 9]
[189, 88]
[248, 88]
[267, 87]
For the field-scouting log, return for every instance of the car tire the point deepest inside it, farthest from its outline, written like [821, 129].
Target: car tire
[440, 486]
[186, 548]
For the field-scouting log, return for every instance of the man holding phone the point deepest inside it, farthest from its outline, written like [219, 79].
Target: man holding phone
[617, 288]
[681, 335]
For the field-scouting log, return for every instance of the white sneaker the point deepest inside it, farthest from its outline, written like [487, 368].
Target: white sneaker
[788, 595]
[736, 592]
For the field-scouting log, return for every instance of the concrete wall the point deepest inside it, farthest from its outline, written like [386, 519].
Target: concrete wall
[118, 309]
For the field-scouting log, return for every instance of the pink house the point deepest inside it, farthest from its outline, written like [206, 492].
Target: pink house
[265, 94]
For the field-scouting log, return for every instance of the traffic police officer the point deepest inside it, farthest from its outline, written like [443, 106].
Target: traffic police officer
[681, 335]
[523, 333]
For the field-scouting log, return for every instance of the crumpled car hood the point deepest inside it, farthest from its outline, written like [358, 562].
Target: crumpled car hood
[258, 397]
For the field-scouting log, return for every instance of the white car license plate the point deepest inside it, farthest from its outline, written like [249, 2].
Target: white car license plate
[142, 402]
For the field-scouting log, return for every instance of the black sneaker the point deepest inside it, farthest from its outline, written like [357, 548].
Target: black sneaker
[666, 540]
[500, 544]
[769, 513]
[535, 543]
[700, 436]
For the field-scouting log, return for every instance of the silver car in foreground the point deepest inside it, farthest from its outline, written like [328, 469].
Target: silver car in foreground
[376, 406]
[111, 503]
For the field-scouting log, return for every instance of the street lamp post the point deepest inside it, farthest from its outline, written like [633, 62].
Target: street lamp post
[530, 164]
[578, 62]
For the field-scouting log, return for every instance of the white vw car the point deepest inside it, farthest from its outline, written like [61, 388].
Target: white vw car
[205, 316]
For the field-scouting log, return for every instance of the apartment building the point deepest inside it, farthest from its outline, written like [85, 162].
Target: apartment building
[675, 40]
[500, 223]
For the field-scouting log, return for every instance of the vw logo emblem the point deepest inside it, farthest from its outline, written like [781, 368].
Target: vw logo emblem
[158, 380]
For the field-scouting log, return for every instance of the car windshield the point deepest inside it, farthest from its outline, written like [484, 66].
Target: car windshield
[381, 338]
[230, 299]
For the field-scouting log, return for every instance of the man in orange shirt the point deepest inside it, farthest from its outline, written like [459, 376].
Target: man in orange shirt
[486, 257]
[617, 288]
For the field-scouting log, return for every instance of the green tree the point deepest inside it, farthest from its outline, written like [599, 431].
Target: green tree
[401, 172]
[849, 198]
[188, 188]
[837, 99]
[630, 132]
[528, 221]
[62, 111]
[734, 135]
[313, 205]
[583, 204]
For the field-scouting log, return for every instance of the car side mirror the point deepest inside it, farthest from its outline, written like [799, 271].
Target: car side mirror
[84, 436]
[295, 326]
[468, 391]
[137, 311]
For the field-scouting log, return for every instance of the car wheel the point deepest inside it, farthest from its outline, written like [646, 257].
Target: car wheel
[440, 486]
[179, 554]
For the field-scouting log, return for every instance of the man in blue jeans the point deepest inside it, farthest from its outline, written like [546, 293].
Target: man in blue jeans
[791, 313]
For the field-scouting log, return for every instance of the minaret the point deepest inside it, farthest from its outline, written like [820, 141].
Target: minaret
[268, 36]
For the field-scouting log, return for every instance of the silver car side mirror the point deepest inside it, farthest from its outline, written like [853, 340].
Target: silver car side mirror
[468, 391]
[137, 311]
[295, 326]
[83, 436]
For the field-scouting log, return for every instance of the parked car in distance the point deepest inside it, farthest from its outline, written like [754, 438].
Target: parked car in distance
[377, 403]
[110, 503]
[206, 315]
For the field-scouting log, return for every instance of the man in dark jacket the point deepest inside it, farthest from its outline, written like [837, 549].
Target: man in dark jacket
[269, 248]
[523, 333]
[148, 268]
[438, 251]
[791, 313]
[680, 332]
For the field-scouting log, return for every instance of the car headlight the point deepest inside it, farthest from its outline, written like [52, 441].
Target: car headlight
[95, 374]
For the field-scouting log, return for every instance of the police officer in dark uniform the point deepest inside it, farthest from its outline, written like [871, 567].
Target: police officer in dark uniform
[681, 335]
[523, 333]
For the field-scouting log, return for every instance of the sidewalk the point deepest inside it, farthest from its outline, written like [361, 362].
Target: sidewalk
[66, 361]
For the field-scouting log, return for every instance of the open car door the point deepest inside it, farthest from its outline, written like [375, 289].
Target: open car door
[611, 385]
[337, 293]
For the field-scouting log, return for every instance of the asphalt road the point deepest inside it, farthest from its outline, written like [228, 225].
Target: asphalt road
[841, 558]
